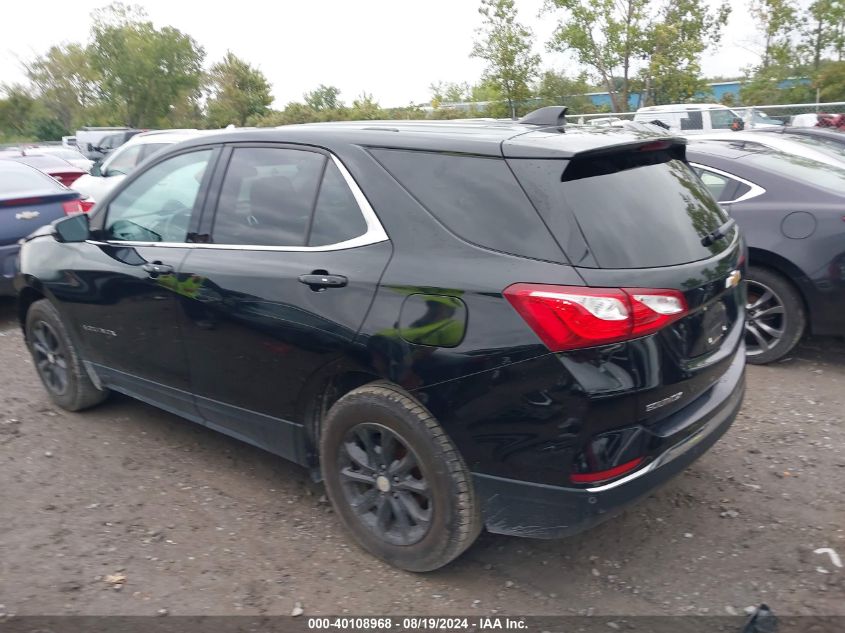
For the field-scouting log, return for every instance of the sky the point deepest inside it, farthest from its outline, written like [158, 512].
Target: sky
[393, 49]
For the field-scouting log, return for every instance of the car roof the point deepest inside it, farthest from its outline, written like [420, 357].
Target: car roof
[164, 136]
[490, 138]
[680, 107]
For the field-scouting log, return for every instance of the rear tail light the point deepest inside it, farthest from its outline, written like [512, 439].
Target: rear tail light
[72, 206]
[67, 179]
[86, 205]
[573, 317]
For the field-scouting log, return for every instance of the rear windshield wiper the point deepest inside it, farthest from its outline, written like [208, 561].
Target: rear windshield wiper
[717, 234]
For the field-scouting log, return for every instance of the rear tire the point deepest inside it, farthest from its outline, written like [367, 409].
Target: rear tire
[395, 479]
[776, 318]
[57, 361]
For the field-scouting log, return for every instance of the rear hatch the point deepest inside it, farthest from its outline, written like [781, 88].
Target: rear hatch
[633, 215]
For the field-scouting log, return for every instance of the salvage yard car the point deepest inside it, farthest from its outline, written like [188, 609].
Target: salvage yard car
[454, 325]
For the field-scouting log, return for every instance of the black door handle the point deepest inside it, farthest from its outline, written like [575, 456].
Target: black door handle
[320, 280]
[154, 269]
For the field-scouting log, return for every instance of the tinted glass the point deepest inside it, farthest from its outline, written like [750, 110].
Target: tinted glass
[632, 215]
[124, 161]
[476, 198]
[267, 197]
[148, 149]
[157, 206]
[715, 183]
[337, 217]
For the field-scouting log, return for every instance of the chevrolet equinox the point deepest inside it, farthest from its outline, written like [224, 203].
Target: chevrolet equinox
[513, 326]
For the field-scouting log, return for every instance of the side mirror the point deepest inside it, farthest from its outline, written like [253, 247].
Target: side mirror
[97, 168]
[73, 228]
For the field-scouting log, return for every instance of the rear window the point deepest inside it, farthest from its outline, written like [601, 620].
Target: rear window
[634, 209]
[799, 168]
[18, 180]
[475, 197]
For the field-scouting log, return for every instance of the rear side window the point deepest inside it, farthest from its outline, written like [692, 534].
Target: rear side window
[692, 120]
[337, 217]
[267, 197]
[477, 198]
[634, 209]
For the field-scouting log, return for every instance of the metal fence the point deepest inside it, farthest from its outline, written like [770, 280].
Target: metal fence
[805, 114]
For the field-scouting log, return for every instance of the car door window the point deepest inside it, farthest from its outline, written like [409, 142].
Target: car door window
[692, 120]
[123, 162]
[148, 149]
[722, 119]
[267, 197]
[157, 206]
[337, 216]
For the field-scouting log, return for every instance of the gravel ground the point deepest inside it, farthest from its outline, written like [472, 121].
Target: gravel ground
[129, 510]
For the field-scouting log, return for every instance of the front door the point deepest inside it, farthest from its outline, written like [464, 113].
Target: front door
[293, 261]
[121, 295]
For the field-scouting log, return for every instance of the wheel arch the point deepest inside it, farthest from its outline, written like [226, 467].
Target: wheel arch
[761, 258]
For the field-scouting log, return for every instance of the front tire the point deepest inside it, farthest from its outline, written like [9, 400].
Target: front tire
[775, 316]
[57, 361]
[395, 479]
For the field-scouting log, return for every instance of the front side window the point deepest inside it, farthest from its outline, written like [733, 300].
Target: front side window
[722, 119]
[267, 197]
[157, 206]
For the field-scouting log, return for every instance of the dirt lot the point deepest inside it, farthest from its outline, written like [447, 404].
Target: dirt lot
[129, 510]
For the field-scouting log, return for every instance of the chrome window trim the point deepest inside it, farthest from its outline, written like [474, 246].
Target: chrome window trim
[374, 234]
[753, 192]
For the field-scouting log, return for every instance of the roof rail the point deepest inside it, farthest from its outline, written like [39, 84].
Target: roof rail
[549, 116]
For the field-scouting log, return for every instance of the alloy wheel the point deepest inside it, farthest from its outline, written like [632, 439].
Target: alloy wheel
[765, 318]
[50, 358]
[384, 484]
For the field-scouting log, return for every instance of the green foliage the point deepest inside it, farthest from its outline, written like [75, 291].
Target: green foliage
[831, 81]
[143, 71]
[684, 29]
[557, 89]
[323, 98]
[66, 83]
[506, 45]
[606, 36]
[16, 110]
[237, 91]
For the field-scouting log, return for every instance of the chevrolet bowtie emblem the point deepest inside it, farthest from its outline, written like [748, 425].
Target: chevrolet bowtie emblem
[27, 215]
[733, 279]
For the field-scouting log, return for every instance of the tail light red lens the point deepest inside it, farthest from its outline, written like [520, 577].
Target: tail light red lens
[72, 206]
[67, 179]
[573, 317]
[86, 205]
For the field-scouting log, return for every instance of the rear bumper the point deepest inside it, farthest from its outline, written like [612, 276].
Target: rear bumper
[8, 268]
[521, 508]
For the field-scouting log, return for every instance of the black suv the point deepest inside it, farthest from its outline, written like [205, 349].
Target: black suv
[455, 325]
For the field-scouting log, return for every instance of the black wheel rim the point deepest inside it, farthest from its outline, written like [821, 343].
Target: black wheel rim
[384, 485]
[765, 321]
[49, 355]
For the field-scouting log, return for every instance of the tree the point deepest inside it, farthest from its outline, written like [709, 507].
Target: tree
[365, 108]
[145, 71]
[237, 91]
[506, 45]
[65, 83]
[776, 20]
[449, 92]
[684, 29]
[606, 36]
[557, 89]
[16, 111]
[323, 98]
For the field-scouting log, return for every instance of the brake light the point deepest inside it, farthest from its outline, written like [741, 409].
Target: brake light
[604, 475]
[67, 178]
[86, 205]
[72, 206]
[567, 317]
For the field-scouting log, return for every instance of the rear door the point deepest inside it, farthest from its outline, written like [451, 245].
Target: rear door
[638, 217]
[293, 258]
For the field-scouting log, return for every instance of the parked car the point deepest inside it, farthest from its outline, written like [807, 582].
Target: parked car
[71, 155]
[104, 177]
[790, 210]
[691, 118]
[53, 166]
[97, 142]
[28, 199]
[456, 325]
[831, 138]
[804, 147]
